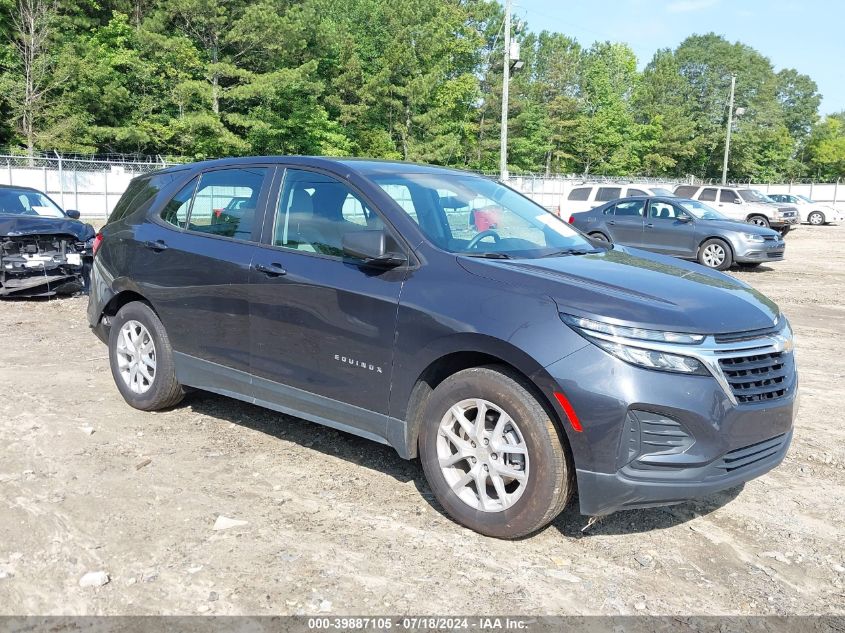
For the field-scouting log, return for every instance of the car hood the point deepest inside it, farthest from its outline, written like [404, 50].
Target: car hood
[739, 226]
[15, 225]
[634, 287]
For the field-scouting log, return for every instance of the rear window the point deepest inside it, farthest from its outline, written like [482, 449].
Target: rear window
[140, 191]
[579, 194]
[685, 191]
[608, 193]
[708, 195]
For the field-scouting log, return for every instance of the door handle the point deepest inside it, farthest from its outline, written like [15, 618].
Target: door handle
[271, 270]
[650, 225]
[156, 246]
[611, 223]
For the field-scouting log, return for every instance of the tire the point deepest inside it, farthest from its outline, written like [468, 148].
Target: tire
[716, 254]
[162, 391]
[816, 218]
[600, 237]
[759, 220]
[523, 506]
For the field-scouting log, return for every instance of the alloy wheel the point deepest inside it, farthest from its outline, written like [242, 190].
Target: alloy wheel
[816, 218]
[714, 255]
[136, 356]
[483, 455]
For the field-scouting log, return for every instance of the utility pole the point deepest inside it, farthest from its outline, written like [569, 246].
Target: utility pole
[506, 75]
[728, 136]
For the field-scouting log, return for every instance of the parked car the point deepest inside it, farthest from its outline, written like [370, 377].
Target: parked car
[587, 196]
[811, 212]
[44, 250]
[518, 363]
[747, 205]
[682, 228]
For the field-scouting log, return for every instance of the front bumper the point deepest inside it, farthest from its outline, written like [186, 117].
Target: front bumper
[779, 222]
[746, 253]
[654, 438]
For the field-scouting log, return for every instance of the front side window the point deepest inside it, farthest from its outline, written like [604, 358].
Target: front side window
[582, 193]
[685, 191]
[176, 211]
[752, 195]
[659, 210]
[226, 202]
[471, 215]
[726, 195]
[700, 210]
[608, 193]
[315, 212]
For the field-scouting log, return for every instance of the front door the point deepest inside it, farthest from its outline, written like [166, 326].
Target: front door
[626, 224]
[322, 325]
[669, 230]
[193, 264]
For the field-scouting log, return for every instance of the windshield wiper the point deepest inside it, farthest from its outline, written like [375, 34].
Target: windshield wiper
[569, 251]
[489, 255]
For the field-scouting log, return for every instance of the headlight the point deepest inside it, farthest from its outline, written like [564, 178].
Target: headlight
[598, 333]
[586, 326]
[751, 237]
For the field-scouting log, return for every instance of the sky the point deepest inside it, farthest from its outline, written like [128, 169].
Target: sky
[806, 35]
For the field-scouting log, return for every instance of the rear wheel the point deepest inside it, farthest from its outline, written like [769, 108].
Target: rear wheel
[492, 455]
[816, 218]
[759, 220]
[141, 359]
[715, 254]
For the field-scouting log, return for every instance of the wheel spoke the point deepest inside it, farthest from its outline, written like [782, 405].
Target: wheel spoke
[512, 473]
[462, 483]
[466, 425]
[499, 429]
[447, 462]
[481, 485]
[499, 486]
[459, 443]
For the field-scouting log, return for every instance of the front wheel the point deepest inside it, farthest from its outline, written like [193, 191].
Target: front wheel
[816, 218]
[492, 455]
[141, 359]
[715, 254]
[759, 220]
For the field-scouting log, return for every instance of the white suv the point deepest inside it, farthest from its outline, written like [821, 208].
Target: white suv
[811, 212]
[585, 197]
[748, 205]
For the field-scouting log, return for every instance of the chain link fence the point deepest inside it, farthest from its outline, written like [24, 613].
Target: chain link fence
[93, 184]
[90, 184]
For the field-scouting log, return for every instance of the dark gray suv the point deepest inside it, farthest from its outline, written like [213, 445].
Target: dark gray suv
[519, 360]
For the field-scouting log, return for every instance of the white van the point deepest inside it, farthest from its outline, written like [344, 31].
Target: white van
[585, 197]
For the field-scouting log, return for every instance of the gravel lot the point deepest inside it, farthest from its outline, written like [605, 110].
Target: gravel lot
[336, 524]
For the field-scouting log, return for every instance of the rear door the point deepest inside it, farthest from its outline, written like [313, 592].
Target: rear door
[730, 204]
[669, 230]
[626, 223]
[322, 325]
[195, 269]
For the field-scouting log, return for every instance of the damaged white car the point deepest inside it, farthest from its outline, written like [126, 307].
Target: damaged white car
[44, 250]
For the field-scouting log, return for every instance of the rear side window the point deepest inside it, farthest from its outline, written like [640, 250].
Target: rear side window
[139, 191]
[726, 195]
[636, 192]
[630, 208]
[226, 202]
[708, 195]
[608, 193]
[176, 211]
[582, 193]
[685, 191]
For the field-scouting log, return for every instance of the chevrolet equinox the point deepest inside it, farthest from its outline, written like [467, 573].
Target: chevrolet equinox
[518, 359]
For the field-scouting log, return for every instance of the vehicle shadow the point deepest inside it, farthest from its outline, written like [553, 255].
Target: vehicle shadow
[351, 448]
[752, 270]
[384, 459]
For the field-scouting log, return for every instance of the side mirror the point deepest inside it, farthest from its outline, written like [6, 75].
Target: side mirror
[73, 214]
[737, 201]
[373, 248]
[684, 218]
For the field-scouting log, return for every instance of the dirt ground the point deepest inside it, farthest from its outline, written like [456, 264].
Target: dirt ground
[340, 525]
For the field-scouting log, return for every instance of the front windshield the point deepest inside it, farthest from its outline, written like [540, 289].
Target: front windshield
[806, 199]
[663, 193]
[752, 195]
[25, 202]
[701, 210]
[467, 214]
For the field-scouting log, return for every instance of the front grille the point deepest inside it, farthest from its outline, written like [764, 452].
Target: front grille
[746, 456]
[748, 335]
[756, 378]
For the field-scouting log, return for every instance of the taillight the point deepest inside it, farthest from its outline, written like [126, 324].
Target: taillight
[572, 219]
[98, 239]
